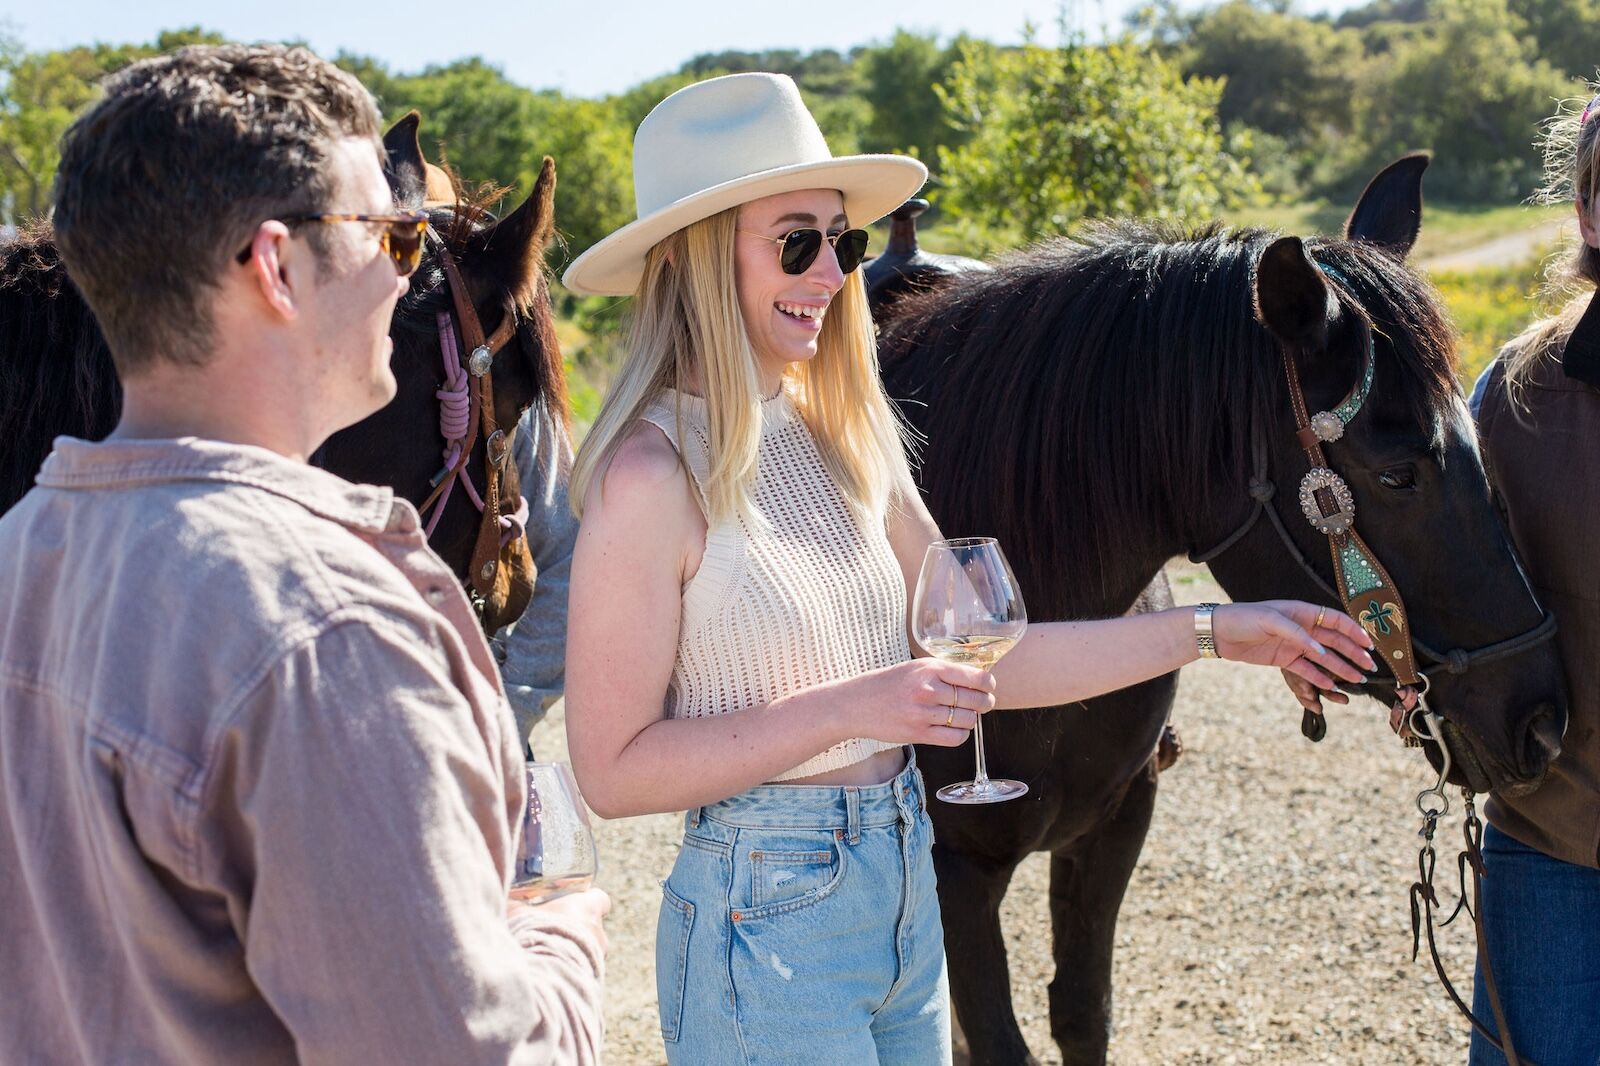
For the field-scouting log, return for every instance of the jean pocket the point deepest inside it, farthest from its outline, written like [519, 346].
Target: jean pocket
[672, 959]
[784, 877]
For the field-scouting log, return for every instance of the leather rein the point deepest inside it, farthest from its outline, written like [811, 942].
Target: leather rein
[497, 527]
[1368, 594]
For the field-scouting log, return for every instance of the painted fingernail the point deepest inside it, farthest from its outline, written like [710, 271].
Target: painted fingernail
[1320, 649]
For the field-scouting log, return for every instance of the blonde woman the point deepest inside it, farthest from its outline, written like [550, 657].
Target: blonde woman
[737, 642]
[1538, 411]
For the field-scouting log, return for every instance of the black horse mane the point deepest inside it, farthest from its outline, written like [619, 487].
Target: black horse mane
[1137, 342]
[56, 373]
[456, 226]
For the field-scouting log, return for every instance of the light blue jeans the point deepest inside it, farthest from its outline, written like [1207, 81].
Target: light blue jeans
[800, 925]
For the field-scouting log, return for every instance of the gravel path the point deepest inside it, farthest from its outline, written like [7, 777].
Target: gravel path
[1267, 921]
[1515, 247]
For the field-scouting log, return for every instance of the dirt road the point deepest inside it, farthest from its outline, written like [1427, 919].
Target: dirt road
[1508, 250]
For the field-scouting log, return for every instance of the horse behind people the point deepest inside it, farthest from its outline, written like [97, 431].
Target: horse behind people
[1103, 406]
[56, 375]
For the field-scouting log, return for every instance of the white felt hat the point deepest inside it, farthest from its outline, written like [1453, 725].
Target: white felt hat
[724, 142]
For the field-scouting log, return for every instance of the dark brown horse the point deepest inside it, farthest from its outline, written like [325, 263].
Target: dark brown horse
[56, 375]
[1101, 407]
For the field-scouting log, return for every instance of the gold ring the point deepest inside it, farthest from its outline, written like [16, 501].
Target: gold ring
[1321, 613]
[950, 716]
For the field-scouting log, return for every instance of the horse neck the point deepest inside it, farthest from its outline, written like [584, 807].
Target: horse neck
[1072, 559]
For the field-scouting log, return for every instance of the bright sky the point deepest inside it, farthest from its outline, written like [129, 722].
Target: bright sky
[582, 48]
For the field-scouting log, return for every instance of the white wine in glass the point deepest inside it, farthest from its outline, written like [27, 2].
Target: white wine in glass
[968, 610]
[556, 853]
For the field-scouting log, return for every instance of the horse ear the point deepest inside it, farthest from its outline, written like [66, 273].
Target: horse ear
[1293, 299]
[518, 241]
[1389, 211]
[404, 166]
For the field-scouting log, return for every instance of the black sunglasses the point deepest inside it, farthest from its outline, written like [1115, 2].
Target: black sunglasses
[798, 248]
[401, 237]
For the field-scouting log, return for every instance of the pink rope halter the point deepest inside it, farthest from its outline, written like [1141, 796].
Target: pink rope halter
[455, 408]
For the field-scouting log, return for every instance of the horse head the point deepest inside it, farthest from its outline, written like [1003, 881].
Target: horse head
[56, 375]
[1408, 454]
[1105, 403]
[502, 264]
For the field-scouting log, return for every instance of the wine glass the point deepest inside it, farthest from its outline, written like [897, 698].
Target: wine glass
[555, 850]
[968, 610]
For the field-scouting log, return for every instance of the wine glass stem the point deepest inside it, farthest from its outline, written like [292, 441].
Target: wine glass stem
[981, 779]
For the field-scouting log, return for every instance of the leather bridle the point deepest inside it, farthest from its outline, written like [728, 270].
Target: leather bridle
[1263, 492]
[1368, 594]
[478, 363]
[1456, 661]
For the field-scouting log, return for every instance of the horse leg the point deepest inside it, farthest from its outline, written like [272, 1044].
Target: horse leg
[1087, 883]
[970, 891]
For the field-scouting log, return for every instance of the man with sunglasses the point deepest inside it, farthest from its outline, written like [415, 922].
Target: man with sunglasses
[258, 781]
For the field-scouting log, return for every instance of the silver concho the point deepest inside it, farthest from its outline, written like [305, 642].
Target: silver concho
[1328, 426]
[497, 448]
[1343, 517]
[478, 363]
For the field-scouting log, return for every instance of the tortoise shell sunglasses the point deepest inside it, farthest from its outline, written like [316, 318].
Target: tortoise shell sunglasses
[401, 237]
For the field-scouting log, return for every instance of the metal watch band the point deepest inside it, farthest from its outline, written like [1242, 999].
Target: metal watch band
[1204, 639]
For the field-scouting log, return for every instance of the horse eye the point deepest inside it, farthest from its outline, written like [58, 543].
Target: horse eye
[1399, 477]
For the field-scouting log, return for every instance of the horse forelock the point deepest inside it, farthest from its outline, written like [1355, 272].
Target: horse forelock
[1412, 322]
[461, 228]
[1137, 344]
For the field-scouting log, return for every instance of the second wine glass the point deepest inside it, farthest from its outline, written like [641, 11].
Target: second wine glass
[555, 851]
[968, 609]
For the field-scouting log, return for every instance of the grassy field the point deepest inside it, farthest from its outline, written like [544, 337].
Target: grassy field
[1489, 307]
[1445, 229]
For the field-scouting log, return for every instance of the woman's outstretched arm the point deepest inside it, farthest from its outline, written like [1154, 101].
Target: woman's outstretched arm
[1064, 662]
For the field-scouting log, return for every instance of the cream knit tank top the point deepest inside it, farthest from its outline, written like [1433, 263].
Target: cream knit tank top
[812, 596]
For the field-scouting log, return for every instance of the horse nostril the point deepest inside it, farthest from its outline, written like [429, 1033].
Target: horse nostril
[1541, 742]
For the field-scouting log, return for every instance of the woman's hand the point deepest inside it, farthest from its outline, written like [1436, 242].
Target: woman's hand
[1319, 645]
[924, 701]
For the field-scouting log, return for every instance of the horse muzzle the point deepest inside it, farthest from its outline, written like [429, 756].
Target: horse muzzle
[1535, 747]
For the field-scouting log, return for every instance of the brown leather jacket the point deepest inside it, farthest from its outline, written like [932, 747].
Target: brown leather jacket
[1541, 444]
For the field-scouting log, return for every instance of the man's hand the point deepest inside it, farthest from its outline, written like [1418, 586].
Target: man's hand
[582, 912]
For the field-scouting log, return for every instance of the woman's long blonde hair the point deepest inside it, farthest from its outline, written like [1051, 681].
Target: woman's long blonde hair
[687, 326]
[1571, 173]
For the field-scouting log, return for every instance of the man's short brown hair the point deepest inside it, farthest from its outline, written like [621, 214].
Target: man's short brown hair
[164, 179]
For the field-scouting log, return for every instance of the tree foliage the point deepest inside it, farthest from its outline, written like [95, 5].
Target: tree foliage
[906, 115]
[41, 93]
[1474, 91]
[1059, 134]
[1194, 109]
